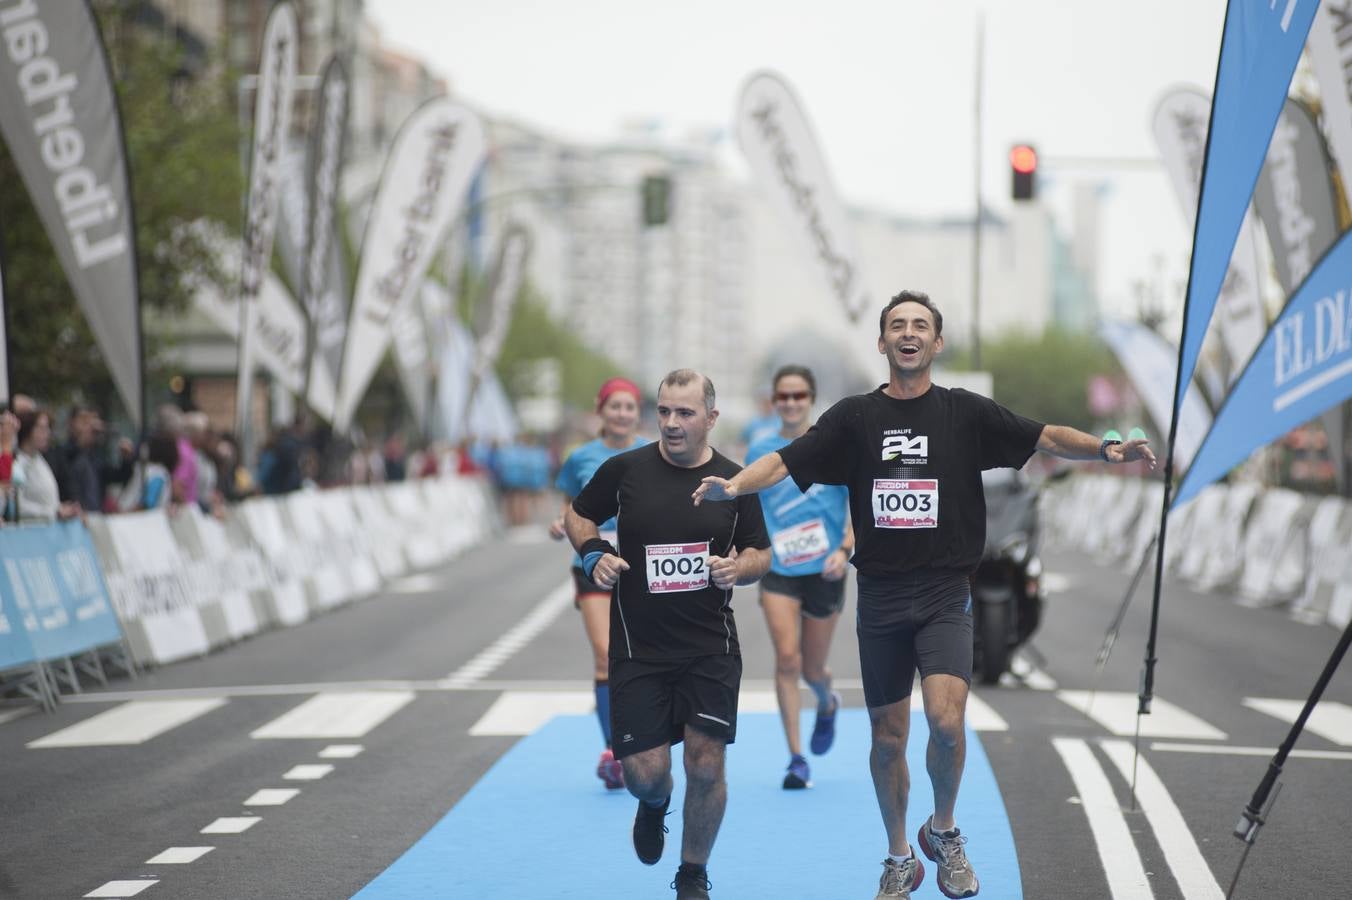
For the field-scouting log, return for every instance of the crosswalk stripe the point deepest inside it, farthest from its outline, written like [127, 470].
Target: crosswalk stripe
[131, 723]
[1180, 848]
[1331, 721]
[178, 856]
[272, 797]
[122, 888]
[312, 772]
[341, 751]
[1116, 711]
[1117, 851]
[1223, 750]
[231, 825]
[522, 712]
[335, 715]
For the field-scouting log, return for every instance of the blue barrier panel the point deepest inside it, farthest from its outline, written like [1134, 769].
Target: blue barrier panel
[53, 592]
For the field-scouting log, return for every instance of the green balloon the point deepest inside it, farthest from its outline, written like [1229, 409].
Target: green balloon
[1112, 435]
[1136, 434]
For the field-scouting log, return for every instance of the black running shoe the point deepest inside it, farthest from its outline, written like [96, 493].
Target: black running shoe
[650, 832]
[691, 885]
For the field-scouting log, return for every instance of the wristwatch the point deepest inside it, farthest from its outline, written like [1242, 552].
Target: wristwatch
[1103, 449]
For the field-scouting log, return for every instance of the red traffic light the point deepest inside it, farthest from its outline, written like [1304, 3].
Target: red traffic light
[1023, 158]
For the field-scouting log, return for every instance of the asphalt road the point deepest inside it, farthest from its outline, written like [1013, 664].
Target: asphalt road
[406, 676]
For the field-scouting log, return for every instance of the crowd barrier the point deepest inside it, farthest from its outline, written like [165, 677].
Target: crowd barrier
[1265, 546]
[148, 588]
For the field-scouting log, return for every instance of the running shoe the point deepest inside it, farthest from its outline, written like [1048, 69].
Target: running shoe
[609, 770]
[955, 877]
[824, 731]
[691, 885]
[798, 776]
[900, 879]
[650, 832]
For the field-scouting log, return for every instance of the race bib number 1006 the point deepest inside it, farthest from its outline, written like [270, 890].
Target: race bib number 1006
[676, 567]
[905, 504]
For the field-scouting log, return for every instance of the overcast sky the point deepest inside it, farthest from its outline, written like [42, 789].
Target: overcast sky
[889, 86]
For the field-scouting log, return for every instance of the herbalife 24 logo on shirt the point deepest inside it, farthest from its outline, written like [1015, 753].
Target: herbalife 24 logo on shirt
[899, 442]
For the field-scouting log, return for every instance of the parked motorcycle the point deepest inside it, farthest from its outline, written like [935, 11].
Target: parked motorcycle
[1007, 585]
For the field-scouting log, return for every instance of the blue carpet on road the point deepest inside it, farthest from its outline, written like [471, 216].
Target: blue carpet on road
[539, 824]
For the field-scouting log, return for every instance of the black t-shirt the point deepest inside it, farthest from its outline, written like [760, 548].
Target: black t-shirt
[913, 468]
[665, 606]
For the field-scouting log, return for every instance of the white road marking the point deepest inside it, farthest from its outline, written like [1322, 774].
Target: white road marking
[1116, 711]
[1222, 750]
[340, 751]
[1117, 851]
[1190, 869]
[231, 825]
[131, 723]
[335, 715]
[1331, 721]
[177, 856]
[525, 631]
[416, 584]
[10, 715]
[522, 712]
[980, 715]
[122, 888]
[308, 772]
[1030, 674]
[272, 797]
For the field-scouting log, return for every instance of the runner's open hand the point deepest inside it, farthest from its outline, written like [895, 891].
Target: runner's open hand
[714, 488]
[1130, 451]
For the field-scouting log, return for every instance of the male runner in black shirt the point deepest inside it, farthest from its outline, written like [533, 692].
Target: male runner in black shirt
[675, 665]
[912, 453]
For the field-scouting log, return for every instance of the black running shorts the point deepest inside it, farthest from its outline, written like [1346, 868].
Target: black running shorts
[919, 621]
[821, 599]
[652, 701]
[583, 585]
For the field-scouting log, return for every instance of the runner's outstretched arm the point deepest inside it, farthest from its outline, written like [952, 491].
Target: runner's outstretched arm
[1071, 443]
[761, 474]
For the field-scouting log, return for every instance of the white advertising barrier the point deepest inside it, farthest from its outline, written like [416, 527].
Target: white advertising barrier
[456, 517]
[1327, 595]
[1186, 546]
[1276, 548]
[222, 569]
[1223, 561]
[284, 597]
[327, 583]
[421, 543]
[350, 545]
[1108, 539]
[147, 581]
[1142, 536]
[381, 530]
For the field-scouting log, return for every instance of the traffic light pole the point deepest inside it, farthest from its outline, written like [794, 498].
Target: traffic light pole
[976, 218]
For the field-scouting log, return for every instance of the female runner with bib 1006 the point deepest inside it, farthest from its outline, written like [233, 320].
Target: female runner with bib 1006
[804, 591]
[617, 403]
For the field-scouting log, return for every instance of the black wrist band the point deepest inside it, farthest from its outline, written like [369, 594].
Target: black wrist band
[597, 545]
[1103, 449]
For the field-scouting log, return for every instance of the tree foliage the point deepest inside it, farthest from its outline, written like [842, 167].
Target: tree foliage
[182, 140]
[1045, 377]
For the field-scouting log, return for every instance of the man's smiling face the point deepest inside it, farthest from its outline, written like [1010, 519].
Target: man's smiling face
[909, 340]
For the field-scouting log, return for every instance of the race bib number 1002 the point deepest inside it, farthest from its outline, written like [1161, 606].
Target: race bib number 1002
[676, 567]
[905, 504]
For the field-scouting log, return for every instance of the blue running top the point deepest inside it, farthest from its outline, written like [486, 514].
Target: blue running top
[796, 521]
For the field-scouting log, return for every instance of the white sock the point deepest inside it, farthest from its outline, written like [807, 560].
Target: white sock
[900, 859]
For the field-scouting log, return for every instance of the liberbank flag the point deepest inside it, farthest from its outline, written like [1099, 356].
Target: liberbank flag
[777, 139]
[1259, 49]
[60, 119]
[438, 150]
[1303, 367]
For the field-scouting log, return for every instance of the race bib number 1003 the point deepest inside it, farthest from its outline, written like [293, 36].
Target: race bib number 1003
[672, 568]
[905, 504]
